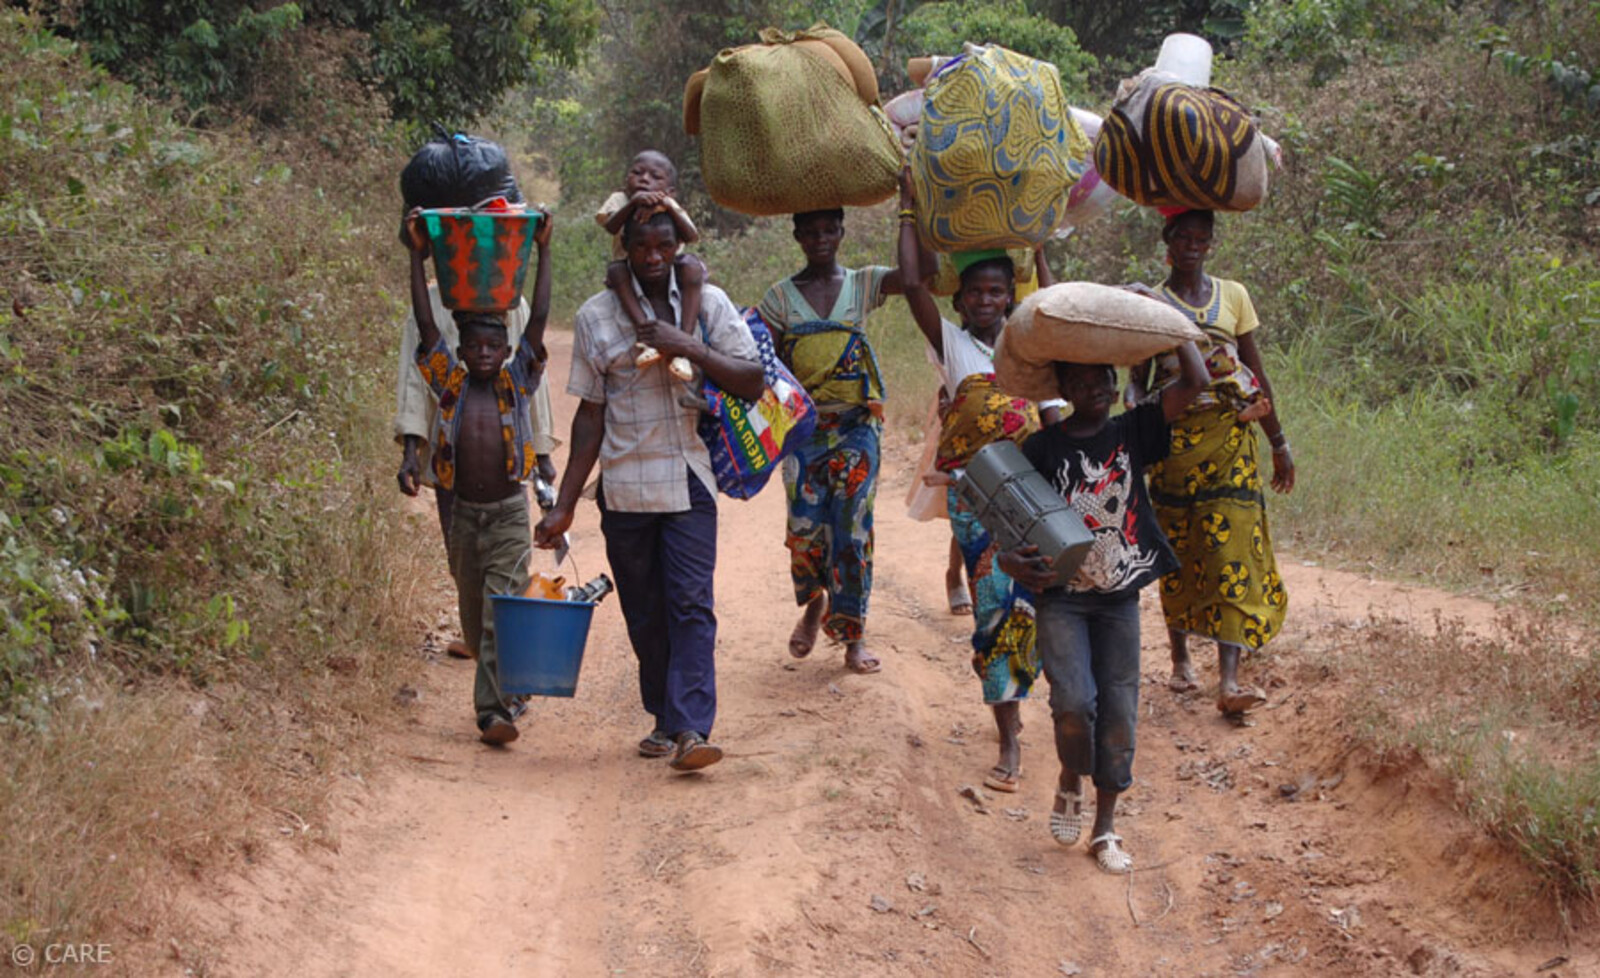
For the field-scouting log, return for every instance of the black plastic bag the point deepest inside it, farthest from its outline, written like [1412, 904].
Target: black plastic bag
[457, 170]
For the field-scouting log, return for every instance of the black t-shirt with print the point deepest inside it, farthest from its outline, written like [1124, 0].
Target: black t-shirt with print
[1102, 477]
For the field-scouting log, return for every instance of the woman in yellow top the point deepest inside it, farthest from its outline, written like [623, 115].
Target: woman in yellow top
[1207, 492]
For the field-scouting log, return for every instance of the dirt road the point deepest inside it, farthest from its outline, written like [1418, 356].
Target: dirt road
[834, 841]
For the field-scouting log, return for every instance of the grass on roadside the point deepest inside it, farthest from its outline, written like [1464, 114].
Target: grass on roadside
[1512, 718]
[200, 566]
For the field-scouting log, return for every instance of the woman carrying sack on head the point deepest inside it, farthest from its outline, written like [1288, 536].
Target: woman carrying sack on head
[978, 413]
[1208, 491]
[818, 321]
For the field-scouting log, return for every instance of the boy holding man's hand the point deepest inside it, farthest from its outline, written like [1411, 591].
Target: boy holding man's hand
[483, 450]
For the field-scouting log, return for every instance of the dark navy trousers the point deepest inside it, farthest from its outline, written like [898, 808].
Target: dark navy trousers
[662, 564]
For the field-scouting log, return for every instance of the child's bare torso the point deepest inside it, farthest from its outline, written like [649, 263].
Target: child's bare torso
[480, 448]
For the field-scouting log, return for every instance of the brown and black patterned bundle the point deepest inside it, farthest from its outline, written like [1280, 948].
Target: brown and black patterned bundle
[1167, 144]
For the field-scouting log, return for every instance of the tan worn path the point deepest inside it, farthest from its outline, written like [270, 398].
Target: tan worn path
[834, 841]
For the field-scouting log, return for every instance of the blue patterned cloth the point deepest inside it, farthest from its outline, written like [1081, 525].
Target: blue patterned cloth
[1004, 652]
[831, 482]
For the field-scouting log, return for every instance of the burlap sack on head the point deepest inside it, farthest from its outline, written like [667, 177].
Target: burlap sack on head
[996, 152]
[1168, 144]
[792, 125]
[1082, 322]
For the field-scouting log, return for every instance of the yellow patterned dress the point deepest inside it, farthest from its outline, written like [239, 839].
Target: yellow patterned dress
[1208, 495]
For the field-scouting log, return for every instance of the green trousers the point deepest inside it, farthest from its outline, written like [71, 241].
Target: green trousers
[489, 544]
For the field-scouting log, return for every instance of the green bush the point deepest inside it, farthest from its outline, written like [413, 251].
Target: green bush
[941, 28]
[184, 366]
[1328, 35]
[429, 59]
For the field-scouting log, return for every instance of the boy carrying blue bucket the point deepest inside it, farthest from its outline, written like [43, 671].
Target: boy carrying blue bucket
[483, 450]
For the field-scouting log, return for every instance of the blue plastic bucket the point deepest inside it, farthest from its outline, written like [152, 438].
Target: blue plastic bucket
[540, 644]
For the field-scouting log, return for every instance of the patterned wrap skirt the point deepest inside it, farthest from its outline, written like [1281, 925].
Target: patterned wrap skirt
[1004, 653]
[831, 483]
[1208, 498]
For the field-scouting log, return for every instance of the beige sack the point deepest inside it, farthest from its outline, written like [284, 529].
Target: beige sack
[792, 124]
[1081, 322]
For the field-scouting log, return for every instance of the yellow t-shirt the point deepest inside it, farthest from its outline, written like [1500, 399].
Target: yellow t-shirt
[1226, 315]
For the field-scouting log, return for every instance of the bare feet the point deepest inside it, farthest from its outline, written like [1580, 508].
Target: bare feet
[858, 659]
[804, 637]
[457, 649]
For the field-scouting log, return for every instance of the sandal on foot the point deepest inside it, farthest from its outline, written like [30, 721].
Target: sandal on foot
[1182, 682]
[457, 649]
[960, 600]
[1243, 701]
[1108, 852]
[1067, 827]
[1002, 779]
[861, 661]
[803, 639]
[658, 744]
[694, 753]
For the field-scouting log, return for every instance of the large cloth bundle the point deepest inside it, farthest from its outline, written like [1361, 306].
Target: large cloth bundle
[747, 441]
[792, 124]
[996, 152]
[1169, 144]
[1081, 322]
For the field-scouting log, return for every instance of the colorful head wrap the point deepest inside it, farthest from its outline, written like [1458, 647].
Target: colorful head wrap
[963, 260]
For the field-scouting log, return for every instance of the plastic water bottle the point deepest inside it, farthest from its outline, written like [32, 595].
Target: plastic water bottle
[544, 494]
[594, 592]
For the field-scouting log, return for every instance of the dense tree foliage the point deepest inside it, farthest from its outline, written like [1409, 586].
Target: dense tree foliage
[429, 58]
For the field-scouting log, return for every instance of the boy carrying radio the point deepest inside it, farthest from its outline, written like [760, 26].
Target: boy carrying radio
[1088, 629]
[483, 450]
[648, 189]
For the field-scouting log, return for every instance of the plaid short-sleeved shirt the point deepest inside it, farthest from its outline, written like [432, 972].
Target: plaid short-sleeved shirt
[650, 443]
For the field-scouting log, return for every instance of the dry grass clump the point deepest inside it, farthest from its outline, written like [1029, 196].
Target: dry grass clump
[200, 564]
[1511, 717]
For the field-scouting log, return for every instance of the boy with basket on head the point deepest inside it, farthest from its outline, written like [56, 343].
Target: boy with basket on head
[1088, 628]
[454, 171]
[483, 451]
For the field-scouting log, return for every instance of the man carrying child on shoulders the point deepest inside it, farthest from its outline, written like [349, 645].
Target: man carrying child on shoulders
[657, 492]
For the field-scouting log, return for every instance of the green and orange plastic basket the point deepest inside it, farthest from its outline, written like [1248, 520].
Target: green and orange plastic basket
[480, 254]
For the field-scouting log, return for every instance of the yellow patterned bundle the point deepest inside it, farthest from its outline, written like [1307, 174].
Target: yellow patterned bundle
[792, 124]
[1167, 144]
[996, 152]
